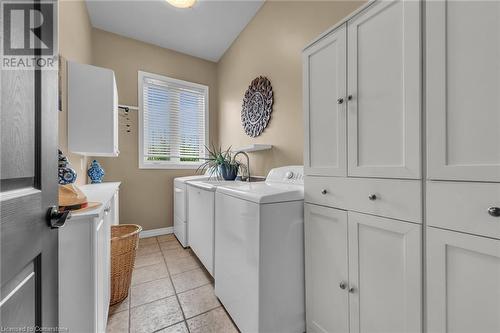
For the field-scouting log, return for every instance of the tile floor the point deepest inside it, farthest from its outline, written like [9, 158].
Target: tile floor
[170, 293]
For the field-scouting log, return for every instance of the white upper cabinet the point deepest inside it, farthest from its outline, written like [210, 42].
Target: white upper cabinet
[325, 105]
[384, 111]
[463, 90]
[92, 110]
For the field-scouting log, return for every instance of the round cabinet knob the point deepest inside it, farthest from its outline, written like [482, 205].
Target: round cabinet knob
[289, 175]
[324, 191]
[494, 211]
[349, 97]
[340, 100]
[352, 290]
[342, 285]
[372, 197]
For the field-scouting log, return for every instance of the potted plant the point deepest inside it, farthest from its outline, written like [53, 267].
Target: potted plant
[220, 163]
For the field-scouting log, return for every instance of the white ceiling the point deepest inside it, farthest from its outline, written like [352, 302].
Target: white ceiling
[206, 30]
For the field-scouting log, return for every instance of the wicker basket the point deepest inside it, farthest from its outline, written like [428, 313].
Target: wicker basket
[124, 242]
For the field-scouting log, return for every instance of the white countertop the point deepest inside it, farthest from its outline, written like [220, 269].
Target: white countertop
[102, 193]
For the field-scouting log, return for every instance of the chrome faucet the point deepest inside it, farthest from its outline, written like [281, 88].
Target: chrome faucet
[248, 163]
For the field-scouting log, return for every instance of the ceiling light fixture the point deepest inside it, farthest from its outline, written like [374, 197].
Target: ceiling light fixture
[182, 3]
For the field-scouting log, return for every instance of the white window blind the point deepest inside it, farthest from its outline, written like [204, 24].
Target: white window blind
[174, 122]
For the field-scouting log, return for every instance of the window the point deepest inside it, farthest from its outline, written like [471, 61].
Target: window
[173, 122]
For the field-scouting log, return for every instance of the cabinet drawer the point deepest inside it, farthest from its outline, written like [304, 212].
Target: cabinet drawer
[464, 207]
[394, 198]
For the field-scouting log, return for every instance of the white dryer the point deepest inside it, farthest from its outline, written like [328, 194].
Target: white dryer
[259, 252]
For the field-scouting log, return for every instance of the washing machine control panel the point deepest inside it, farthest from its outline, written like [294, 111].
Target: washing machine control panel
[290, 175]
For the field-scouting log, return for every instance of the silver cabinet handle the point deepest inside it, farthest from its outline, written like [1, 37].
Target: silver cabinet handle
[340, 100]
[324, 191]
[352, 290]
[342, 285]
[372, 197]
[494, 211]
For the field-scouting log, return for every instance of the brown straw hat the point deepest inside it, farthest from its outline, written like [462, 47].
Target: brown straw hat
[72, 198]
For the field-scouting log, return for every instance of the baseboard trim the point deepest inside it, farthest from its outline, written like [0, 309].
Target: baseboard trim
[156, 232]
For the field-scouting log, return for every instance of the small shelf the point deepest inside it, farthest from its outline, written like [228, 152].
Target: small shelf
[254, 147]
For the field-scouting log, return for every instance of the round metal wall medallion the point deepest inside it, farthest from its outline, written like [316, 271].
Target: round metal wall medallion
[257, 106]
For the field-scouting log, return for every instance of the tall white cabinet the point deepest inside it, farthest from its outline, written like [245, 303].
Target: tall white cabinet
[463, 166]
[402, 216]
[362, 106]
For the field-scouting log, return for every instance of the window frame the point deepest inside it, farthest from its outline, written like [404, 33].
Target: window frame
[166, 164]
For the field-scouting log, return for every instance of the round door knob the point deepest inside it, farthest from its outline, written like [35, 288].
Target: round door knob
[340, 100]
[372, 197]
[494, 211]
[342, 285]
[324, 191]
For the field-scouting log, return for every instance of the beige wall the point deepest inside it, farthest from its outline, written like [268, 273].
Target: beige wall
[75, 33]
[145, 195]
[271, 45]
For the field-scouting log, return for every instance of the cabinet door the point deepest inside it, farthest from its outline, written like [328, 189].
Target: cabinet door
[463, 282]
[384, 274]
[101, 281]
[115, 209]
[463, 85]
[326, 269]
[324, 78]
[109, 214]
[384, 88]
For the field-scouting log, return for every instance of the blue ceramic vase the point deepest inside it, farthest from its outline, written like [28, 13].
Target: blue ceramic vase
[95, 172]
[66, 174]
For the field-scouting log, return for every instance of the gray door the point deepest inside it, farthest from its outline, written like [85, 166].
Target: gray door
[28, 172]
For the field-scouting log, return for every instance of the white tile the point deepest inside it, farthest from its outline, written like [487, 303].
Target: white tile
[199, 300]
[190, 279]
[118, 322]
[150, 291]
[149, 273]
[177, 328]
[156, 315]
[215, 321]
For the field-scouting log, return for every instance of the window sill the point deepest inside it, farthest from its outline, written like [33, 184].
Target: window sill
[172, 166]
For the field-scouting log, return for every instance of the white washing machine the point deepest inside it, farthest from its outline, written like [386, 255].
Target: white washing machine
[181, 207]
[259, 252]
